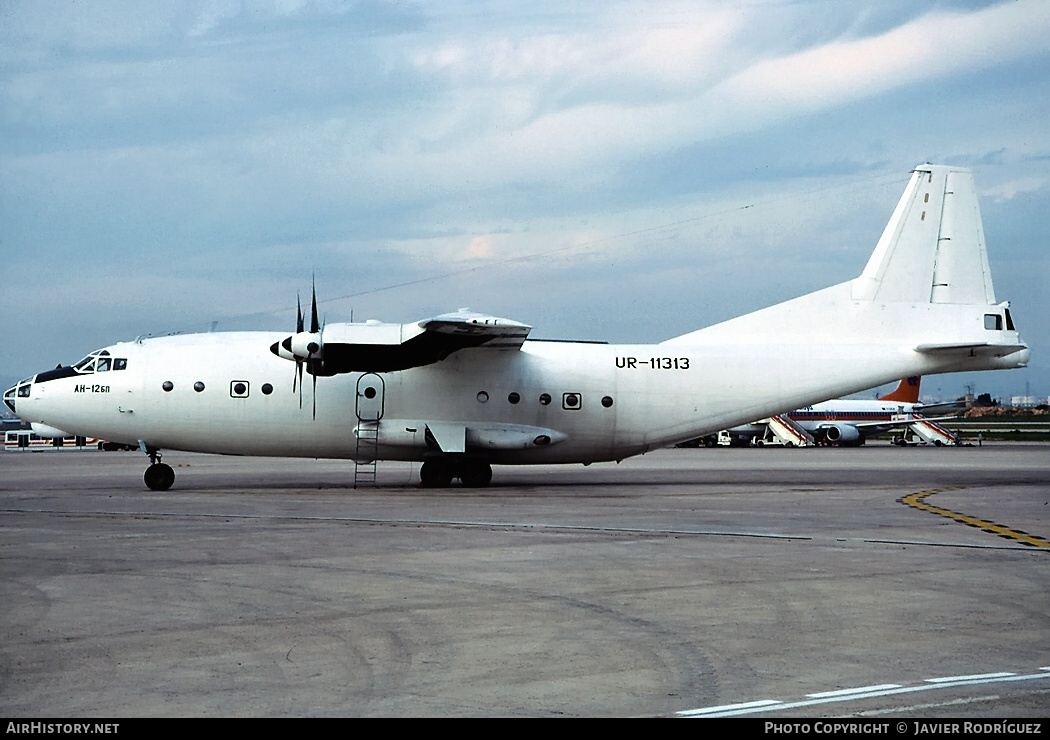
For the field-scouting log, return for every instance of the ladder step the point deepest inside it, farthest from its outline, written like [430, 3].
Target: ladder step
[365, 457]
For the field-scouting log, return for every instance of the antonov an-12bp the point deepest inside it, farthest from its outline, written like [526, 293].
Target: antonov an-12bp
[464, 391]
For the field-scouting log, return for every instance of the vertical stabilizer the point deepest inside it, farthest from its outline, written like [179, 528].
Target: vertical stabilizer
[932, 250]
[907, 391]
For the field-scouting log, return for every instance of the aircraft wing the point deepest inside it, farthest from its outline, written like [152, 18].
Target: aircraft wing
[492, 331]
[378, 347]
[933, 408]
[903, 421]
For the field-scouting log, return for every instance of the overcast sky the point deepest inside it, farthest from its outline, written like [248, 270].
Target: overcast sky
[623, 171]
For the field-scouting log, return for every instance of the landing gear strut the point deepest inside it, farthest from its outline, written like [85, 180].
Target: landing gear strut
[439, 472]
[158, 476]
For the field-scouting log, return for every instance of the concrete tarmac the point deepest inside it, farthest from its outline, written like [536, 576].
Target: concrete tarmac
[869, 582]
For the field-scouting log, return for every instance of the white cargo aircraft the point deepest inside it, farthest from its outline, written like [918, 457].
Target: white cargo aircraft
[463, 391]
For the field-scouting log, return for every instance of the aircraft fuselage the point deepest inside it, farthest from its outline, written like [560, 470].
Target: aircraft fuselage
[547, 402]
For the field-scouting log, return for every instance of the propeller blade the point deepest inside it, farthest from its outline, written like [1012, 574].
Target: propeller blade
[315, 325]
[315, 396]
[299, 372]
[298, 363]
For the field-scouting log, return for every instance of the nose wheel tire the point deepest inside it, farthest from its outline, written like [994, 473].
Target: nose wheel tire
[159, 477]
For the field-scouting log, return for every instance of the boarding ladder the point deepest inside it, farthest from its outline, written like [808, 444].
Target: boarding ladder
[785, 430]
[932, 433]
[367, 433]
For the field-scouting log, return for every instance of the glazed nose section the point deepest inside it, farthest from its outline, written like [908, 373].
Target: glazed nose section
[20, 390]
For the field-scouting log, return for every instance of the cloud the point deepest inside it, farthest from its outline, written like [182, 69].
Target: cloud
[386, 144]
[1008, 190]
[543, 107]
[480, 247]
[931, 46]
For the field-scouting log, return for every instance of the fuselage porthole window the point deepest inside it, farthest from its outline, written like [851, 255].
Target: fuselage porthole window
[545, 399]
[607, 401]
[267, 389]
[239, 388]
[198, 386]
[513, 397]
[167, 385]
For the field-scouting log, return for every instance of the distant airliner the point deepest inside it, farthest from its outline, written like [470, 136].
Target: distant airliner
[848, 421]
[464, 391]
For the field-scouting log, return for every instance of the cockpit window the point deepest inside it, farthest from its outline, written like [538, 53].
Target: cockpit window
[100, 361]
[9, 399]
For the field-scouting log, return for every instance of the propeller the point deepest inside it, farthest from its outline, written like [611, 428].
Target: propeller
[298, 362]
[315, 348]
[304, 348]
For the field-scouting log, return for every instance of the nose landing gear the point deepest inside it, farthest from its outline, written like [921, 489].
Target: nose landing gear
[158, 476]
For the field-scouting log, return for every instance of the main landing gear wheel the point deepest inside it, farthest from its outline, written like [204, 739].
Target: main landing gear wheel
[439, 473]
[159, 477]
[475, 474]
[436, 474]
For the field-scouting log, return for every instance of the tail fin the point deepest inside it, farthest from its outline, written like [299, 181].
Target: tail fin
[924, 303]
[907, 391]
[933, 249]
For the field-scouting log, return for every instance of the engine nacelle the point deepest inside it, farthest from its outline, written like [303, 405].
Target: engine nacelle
[299, 347]
[841, 433]
[304, 345]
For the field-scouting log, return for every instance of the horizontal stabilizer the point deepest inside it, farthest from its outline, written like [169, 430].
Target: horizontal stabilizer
[982, 349]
